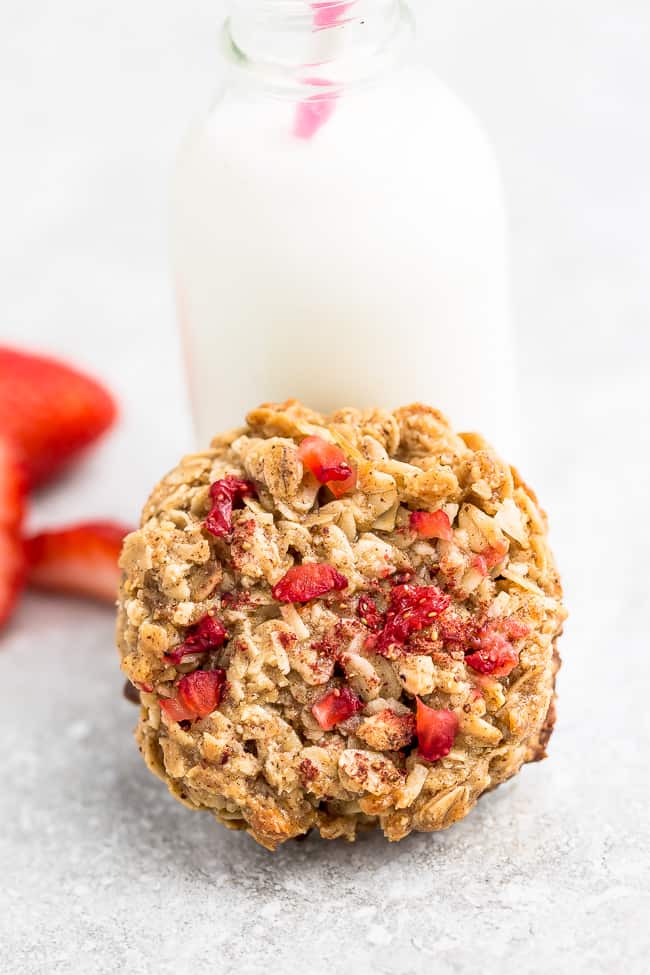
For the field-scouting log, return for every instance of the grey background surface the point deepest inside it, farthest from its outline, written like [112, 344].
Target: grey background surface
[101, 871]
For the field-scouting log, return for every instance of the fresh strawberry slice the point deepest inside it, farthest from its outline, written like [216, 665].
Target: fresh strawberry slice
[339, 488]
[201, 691]
[208, 634]
[419, 600]
[339, 705]
[498, 658]
[325, 460]
[369, 614]
[436, 731]
[304, 582]
[489, 558]
[80, 560]
[175, 710]
[432, 524]
[50, 411]
[494, 654]
[495, 554]
[225, 494]
[410, 609]
[12, 509]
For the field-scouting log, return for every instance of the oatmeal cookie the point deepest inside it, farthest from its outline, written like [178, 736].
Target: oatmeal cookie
[340, 623]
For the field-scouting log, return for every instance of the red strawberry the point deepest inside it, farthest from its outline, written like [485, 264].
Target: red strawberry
[337, 706]
[201, 691]
[493, 652]
[80, 560]
[436, 731]
[410, 609]
[495, 554]
[432, 524]
[369, 614]
[496, 657]
[12, 509]
[50, 411]
[176, 710]
[325, 460]
[199, 694]
[339, 488]
[304, 582]
[208, 634]
[328, 464]
[490, 557]
[225, 494]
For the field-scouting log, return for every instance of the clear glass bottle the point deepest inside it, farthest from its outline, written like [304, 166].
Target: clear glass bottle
[339, 231]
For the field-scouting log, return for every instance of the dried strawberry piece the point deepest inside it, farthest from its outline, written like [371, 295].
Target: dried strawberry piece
[208, 634]
[201, 691]
[489, 558]
[494, 554]
[427, 599]
[198, 695]
[497, 658]
[225, 494]
[175, 710]
[493, 653]
[339, 488]
[436, 731]
[410, 609]
[432, 524]
[328, 464]
[369, 614]
[339, 705]
[304, 582]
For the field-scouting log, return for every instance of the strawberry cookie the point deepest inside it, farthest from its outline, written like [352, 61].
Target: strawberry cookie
[340, 623]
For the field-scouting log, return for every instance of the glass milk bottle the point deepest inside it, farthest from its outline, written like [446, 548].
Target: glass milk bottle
[339, 227]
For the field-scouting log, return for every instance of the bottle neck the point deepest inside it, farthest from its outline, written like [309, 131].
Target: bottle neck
[289, 43]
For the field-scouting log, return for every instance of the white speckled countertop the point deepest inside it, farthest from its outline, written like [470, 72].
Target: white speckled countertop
[102, 872]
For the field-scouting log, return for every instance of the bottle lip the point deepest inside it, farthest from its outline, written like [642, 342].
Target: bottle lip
[326, 11]
[339, 60]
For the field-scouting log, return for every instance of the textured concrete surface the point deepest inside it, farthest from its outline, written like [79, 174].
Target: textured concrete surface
[101, 871]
